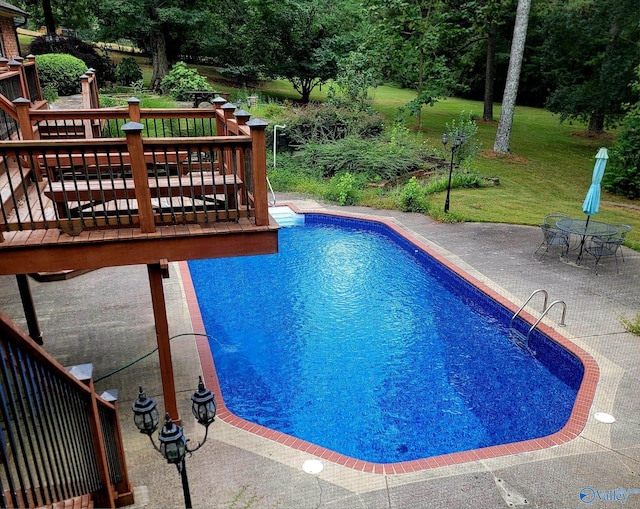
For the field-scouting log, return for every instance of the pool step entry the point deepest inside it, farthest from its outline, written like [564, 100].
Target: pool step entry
[286, 217]
[522, 340]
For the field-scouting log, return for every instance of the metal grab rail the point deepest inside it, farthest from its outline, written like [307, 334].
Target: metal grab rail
[518, 338]
[544, 304]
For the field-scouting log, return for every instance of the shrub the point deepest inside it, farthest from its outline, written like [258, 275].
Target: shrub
[182, 80]
[49, 93]
[412, 198]
[61, 71]
[79, 49]
[128, 72]
[328, 123]
[466, 125]
[343, 189]
[623, 175]
[375, 159]
[632, 324]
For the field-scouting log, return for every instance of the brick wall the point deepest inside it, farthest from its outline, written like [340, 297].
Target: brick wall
[9, 40]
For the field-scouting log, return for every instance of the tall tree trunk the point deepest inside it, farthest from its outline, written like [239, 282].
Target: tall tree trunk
[503, 135]
[596, 122]
[490, 72]
[49, 20]
[159, 60]
[420, 85]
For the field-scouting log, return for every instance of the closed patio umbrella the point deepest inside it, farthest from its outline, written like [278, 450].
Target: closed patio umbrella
[592, 200]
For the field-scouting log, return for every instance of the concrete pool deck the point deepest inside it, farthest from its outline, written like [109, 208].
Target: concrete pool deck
[105, 317]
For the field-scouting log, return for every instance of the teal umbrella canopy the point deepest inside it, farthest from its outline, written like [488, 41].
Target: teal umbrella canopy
[592, 200]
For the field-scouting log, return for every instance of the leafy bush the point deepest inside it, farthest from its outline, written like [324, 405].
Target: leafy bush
[467, 127]
[343, 189]
[328, 123]
[375, 159]
[61, 71]
[182, 80]
[128, 72]
[623, 174]
[79, 49]
[412, 197]
[49, 93]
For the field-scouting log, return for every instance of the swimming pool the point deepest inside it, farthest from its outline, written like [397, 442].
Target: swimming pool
[417, 371]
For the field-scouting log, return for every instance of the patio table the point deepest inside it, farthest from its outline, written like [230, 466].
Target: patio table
[585, 228]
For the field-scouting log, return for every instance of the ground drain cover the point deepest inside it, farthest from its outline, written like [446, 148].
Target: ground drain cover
[606, 418]
[312, 466]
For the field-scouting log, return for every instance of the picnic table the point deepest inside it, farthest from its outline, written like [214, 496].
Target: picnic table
[200, 96]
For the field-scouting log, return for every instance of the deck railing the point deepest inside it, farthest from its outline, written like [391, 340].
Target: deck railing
[59, 439]
[18, 80]
[139, 181]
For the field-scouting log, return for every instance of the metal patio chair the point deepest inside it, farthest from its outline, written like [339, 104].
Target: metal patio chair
[552, 235]
[608, 246]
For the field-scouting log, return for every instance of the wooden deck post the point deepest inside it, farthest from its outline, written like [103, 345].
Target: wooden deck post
[24, 119]
[106, 496]
[227, 112]
[155, 271]
[133, 130]
[16, 65]
[217, 103]
[29, 308]
[259, 169]
[134, 109]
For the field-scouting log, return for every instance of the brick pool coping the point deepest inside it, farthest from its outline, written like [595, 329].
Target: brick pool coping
[574, 426]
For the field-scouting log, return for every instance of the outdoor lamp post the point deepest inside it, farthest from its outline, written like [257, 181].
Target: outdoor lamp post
[457, 143]
[173, 443]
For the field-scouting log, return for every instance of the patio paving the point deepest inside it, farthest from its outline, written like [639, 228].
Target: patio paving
[105, 317]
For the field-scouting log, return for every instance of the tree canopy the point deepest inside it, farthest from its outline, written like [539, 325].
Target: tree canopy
[588, 57]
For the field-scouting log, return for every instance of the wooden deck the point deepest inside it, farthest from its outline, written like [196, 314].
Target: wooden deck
[53, 250]
[136, 199]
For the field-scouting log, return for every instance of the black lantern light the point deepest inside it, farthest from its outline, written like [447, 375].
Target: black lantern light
[145, 413]
[203, 405]
[457, 143]
[173, 443]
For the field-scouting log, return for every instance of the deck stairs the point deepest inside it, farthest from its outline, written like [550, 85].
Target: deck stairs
[521, 339]
[12, 179]
[81, 502]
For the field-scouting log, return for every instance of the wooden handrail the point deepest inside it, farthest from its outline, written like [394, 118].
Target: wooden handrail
[38, 357]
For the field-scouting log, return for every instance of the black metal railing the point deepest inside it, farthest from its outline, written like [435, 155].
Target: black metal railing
[10, 86]
[82, 185]
[31, 76]
[48, 427]
[9, 127]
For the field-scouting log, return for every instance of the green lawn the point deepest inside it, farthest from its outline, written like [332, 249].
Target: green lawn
[549, 168]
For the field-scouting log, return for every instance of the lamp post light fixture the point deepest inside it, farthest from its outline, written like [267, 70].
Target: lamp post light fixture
[457, 143]
[173, 443]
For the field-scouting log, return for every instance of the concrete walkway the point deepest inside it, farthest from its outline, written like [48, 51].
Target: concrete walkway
[105, 317]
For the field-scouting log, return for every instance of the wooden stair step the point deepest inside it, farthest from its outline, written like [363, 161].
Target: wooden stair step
[81, 502]
[16, 179]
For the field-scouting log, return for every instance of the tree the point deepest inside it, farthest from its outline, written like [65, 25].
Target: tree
[158, 26]
[623, 174]
[588, 57]
[59, 13]
[409, 39]
[301, 40]
[503, 134]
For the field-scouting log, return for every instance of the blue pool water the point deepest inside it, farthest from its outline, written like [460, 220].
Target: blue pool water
[354, 340]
